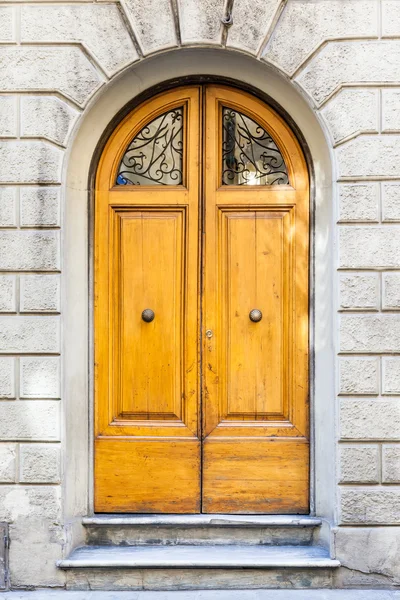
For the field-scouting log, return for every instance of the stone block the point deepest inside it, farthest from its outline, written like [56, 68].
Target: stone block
[99, 27]
[370, 557]
[391, 463]
[263, 582]
[369, 247]
[370, 333]
[36, 420]
[30, 162]
[30, 502]
[8, 457]
[8, 113]
[29, 250]
[152, 33]
[252, 20]
[8, 203]
[359, 291]
[369, 156]
[40, 537]
[370, 419]
[372, 507]
[391, 291]
[305, 25]
[359, 464]
[7, 294]
[359, 202]
[7, 377]
[390, 18]
[47, 117]
[40, 206]
[352, 112]
[29, 335]
[390, 110]
[391, 202]
[391, 375]
[64, 69]
[7, 24]
[39, 377]
[340, 63]
[199, 22]
[39, 463]
[39, 293]
[358, 376]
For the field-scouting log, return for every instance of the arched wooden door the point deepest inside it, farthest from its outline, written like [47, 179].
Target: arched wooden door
[201, 309]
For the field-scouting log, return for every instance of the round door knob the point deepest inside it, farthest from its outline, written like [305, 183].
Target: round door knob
[148, 315]
[255, 315]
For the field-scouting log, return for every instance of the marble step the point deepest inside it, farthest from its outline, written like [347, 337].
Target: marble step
[200, 529]
[198, 567]
[188, 557]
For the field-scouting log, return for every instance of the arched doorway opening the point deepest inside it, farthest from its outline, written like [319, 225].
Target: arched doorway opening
[201, 309]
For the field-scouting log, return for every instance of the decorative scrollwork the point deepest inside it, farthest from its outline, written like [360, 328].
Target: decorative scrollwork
[249, 154]
[155, 155]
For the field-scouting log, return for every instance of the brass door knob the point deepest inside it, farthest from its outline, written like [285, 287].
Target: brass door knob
[255, 315]
[148, 315]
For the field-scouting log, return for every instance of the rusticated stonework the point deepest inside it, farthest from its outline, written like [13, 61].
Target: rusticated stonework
[344, 56]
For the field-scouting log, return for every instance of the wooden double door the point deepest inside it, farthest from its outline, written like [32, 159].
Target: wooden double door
[201, 309]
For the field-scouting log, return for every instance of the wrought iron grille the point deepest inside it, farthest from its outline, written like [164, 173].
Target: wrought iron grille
[155, 155]
[249, 154]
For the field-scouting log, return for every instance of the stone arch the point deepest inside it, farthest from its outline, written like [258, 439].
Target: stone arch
[300, 40]
[77, 285]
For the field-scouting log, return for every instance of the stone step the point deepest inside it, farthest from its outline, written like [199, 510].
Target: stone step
[213, 557]
[133, 530]
[187, 567]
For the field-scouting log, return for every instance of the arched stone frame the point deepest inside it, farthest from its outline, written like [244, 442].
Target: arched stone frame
[77, 283]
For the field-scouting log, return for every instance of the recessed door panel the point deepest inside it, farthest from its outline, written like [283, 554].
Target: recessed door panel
[152, 246]
[255, 268]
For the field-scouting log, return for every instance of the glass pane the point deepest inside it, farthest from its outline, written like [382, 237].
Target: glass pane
[249, 154]
[155, 155]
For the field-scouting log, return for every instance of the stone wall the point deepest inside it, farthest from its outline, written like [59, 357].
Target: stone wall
[344, 57]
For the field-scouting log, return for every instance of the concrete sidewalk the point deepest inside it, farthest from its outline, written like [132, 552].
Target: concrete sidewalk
[207, 595]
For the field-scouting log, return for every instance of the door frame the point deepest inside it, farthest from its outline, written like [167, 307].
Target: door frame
[88, 141]
[141, 99]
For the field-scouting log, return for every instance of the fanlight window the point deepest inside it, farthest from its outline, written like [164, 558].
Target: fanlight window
[249, 154]
[155, 155]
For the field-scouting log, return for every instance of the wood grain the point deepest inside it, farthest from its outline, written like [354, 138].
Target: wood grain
[151, 247]
[150, 476]
[250, 476]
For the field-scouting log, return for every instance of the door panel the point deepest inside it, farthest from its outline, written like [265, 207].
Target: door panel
[147, 475]
[254, 264]
[255, 412]
[255, 475]
[147, 444]
[151, 251]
